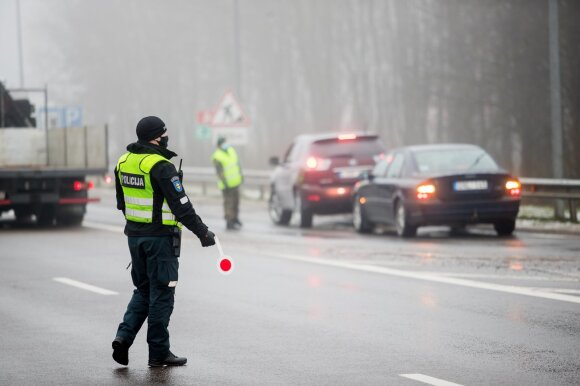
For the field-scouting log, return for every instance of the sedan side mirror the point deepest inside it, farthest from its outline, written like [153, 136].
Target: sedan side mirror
[274, 161]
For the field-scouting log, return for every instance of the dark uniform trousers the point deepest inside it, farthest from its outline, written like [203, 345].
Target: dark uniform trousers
[154, 267]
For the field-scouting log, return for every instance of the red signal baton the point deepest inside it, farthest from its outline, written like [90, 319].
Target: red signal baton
[225, 263]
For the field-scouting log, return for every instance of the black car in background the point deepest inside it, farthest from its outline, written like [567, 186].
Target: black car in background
[317, 174]
[446, 184]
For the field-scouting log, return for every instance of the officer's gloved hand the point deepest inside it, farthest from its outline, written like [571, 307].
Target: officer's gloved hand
[208, 239]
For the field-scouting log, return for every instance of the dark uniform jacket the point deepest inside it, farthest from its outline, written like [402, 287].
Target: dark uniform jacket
[161, 175]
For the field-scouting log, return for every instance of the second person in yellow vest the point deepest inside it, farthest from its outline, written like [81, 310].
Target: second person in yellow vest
[229, 172]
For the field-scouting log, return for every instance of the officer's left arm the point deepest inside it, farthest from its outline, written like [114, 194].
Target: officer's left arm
[168, 180]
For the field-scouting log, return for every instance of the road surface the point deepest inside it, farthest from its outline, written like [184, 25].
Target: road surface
[324, 306]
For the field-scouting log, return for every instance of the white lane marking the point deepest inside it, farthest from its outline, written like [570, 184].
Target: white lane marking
[508, 277]
[103, 227]
[429, 380]
[558, 290]
[85, 286]
[430, 277]
[397, 272]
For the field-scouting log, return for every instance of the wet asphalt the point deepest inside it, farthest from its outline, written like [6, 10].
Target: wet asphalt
[295, 310]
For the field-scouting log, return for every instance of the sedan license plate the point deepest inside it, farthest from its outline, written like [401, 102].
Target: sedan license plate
[462, 186]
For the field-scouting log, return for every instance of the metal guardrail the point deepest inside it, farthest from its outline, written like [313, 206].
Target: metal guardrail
[554, 189]
[259, 179]
[532, 188]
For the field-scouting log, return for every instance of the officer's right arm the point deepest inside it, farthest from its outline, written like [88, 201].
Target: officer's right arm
[119, 190]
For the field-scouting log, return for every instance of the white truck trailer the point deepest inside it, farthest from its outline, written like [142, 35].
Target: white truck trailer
[43, 172]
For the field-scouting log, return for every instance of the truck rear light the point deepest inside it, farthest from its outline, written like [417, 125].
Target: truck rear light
[79, 185]
[319, 164]
[425, 191]
[513, 188]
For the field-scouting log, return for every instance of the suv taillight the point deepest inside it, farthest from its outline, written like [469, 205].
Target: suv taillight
[318, 164]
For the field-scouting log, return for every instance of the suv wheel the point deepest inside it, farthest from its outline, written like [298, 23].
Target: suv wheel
[505, 227]
[359, 221]
[403, 228]
[305, 214]
[278, 214]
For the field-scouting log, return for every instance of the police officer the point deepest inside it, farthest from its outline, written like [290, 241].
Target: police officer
[151, 195]
[225, 160]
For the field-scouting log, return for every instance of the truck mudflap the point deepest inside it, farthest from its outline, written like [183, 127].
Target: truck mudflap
[70, 201]
[62, 201]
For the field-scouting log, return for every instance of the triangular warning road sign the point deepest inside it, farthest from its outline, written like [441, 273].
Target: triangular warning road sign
[229, 113]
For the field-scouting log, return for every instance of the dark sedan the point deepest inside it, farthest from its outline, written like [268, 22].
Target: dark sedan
[446, 184]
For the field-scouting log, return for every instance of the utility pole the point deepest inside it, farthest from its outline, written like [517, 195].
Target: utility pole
[555, 97]
[237, 64]
[19, 33]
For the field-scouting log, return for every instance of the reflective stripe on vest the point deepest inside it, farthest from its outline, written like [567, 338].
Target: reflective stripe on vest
[231, 168]
[146, 215]
[145, 202]
[134, 174]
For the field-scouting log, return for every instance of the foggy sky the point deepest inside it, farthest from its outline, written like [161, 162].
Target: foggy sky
[414, 71]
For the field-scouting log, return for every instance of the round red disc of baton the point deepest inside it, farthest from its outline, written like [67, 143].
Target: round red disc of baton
[225, 265]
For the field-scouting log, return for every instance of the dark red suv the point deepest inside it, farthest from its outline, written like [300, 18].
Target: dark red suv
[317, 174]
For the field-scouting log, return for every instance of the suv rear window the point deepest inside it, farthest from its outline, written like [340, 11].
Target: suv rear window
[351, 148]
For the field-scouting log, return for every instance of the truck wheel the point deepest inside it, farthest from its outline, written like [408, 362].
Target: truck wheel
[22, 215]
[45, 216]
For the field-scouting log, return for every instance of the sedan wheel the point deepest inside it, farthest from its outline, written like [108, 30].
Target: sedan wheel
[278, 214]
[505, 228]
[360, 222]
[403, 229]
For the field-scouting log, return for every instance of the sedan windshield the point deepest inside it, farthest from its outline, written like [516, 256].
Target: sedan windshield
[451, 160]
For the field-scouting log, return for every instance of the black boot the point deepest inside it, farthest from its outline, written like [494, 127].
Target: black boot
[121, 351]
[171, 360]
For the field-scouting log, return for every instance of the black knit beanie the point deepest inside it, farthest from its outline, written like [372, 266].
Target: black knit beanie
[150, 128]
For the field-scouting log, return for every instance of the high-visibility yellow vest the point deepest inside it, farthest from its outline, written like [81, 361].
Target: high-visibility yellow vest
[135, 180]
[229, 161]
